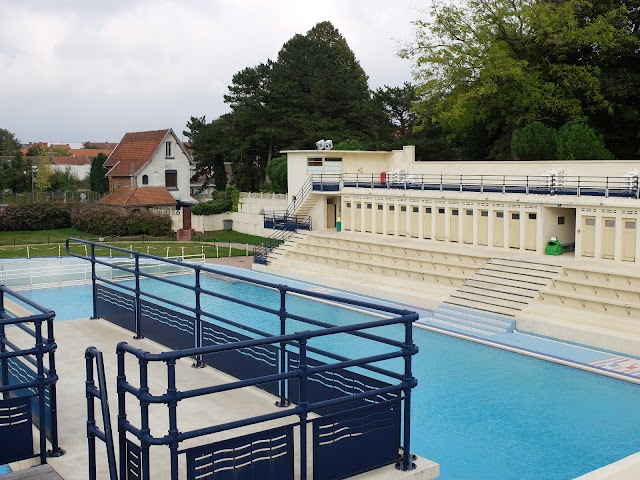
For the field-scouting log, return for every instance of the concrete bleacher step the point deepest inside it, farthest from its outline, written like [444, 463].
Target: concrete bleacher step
[493, 300]
[486, 307]
[501, 286]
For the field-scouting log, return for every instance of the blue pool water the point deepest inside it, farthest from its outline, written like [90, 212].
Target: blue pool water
[482, 413]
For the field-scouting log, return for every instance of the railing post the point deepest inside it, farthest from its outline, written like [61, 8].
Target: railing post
[461, 182]
[94, 287]
[283, 402]
[198, 327]
[137, 302]
[41, 390]
[4, 363]
[408, 349]
[122, 413]
[173, 416]
[526, 188]
[145, 430]
[441, 185]
[56, 451]
[606, 188]
[304, 405]
[91, 416]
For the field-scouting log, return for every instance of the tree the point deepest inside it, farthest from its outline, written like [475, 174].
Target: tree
[64, 180]
[535, 142]
[9, 144]
[98, 181]
[577, 141]
[37, 150]
[210, 148]
[277, 172]
[397, 104]
[495, 65]
[89, 146]
[43, 174]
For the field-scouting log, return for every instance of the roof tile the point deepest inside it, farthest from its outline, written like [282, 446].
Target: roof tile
[135, 148]
[140, 196]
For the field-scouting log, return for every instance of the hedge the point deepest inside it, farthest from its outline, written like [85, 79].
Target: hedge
[90, 218]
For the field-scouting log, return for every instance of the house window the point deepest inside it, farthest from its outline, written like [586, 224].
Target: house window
[171, 179]
[167, 150]
[145, 179]
[560, 220]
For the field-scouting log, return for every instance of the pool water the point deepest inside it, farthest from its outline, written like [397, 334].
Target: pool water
[482, 413]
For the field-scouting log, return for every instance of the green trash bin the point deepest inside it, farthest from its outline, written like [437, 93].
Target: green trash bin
[338, 225]
[553, 247]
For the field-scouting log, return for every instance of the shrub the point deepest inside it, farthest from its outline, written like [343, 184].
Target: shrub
[101, 220]
[578, 141]
[535, 141]
[35, 216]
[221, 202]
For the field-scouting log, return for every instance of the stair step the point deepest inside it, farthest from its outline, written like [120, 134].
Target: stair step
[457, 326]
[517, 280]
[495, 318]
[527, 266]
[476, 323]
[524, 296]
[483, 307]
[502, 287]
[522, 275]
[490, 300]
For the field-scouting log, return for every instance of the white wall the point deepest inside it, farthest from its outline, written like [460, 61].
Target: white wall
[80, 171]
[156, 167]
[251, 224]
[257, 203]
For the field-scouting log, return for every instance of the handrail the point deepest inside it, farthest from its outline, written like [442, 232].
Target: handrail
[93, 355]
[558, 183]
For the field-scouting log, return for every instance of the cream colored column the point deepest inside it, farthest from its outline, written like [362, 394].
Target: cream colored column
[597, 248]
[492, 214]
[541, 242]
[396, 218]
[374, 217]
[476, 216]
[461, 224]
[353, 215]
[506, 231]
[447, 223]
[421, 208]
[385, 206]
[523, 220]
[434, 211]
[617, 249]
[578, 252]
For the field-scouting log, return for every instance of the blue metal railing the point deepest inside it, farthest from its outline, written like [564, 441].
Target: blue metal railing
[557, 184]
[284, 364]
[93, 358]
[28, 381]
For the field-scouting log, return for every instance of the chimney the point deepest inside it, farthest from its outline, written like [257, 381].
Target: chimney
[133, 177]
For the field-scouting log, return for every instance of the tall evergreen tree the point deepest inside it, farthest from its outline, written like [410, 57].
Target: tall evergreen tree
[9, 144]
[98, 181]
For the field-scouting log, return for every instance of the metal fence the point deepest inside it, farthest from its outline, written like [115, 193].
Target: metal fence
[550, 184]
[27, 382]
[363, 410]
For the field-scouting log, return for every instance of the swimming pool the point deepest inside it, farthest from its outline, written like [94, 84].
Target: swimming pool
[480, 412]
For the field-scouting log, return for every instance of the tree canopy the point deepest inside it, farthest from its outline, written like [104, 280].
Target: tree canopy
[314, 89]
[9, 144]
[486, 68]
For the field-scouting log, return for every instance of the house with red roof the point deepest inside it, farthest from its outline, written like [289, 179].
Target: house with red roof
[150, 168]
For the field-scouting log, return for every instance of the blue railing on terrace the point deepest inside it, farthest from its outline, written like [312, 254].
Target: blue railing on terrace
[27, 380]
[622, 186]
[362, 411]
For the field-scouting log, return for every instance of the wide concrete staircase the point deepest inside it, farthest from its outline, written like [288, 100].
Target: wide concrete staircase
[504, 286]
[304, 209]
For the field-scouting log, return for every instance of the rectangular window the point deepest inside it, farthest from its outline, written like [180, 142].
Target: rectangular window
[533, 216]
[415, 210]
[590, 222]
[441, 210]
[427, 210]
[499, 214]
[380, 207]
[484, 213]
[167, 150]
[392, 208]
[470, 212]
[348, 204]
[403, 209]
[515, 216]
[369, 206]
[560, 220]
[610, 223]
[171, 179]
[454, 211]
[630, 225]
[358, 206]
[314, 162]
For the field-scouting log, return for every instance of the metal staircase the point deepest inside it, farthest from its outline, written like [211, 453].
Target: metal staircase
[286, 223]
[504, 286]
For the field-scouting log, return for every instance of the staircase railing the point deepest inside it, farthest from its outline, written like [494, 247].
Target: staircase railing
[93, 431]
[261, 252]
[296, 200]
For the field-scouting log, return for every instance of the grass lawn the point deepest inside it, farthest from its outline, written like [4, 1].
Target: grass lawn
[50, 243]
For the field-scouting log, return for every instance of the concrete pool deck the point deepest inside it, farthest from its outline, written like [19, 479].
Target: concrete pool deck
[74, 336]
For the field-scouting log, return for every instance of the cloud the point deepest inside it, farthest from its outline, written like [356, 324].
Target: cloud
[74, 70]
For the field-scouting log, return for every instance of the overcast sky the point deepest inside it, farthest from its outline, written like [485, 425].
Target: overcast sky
[78, 70]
